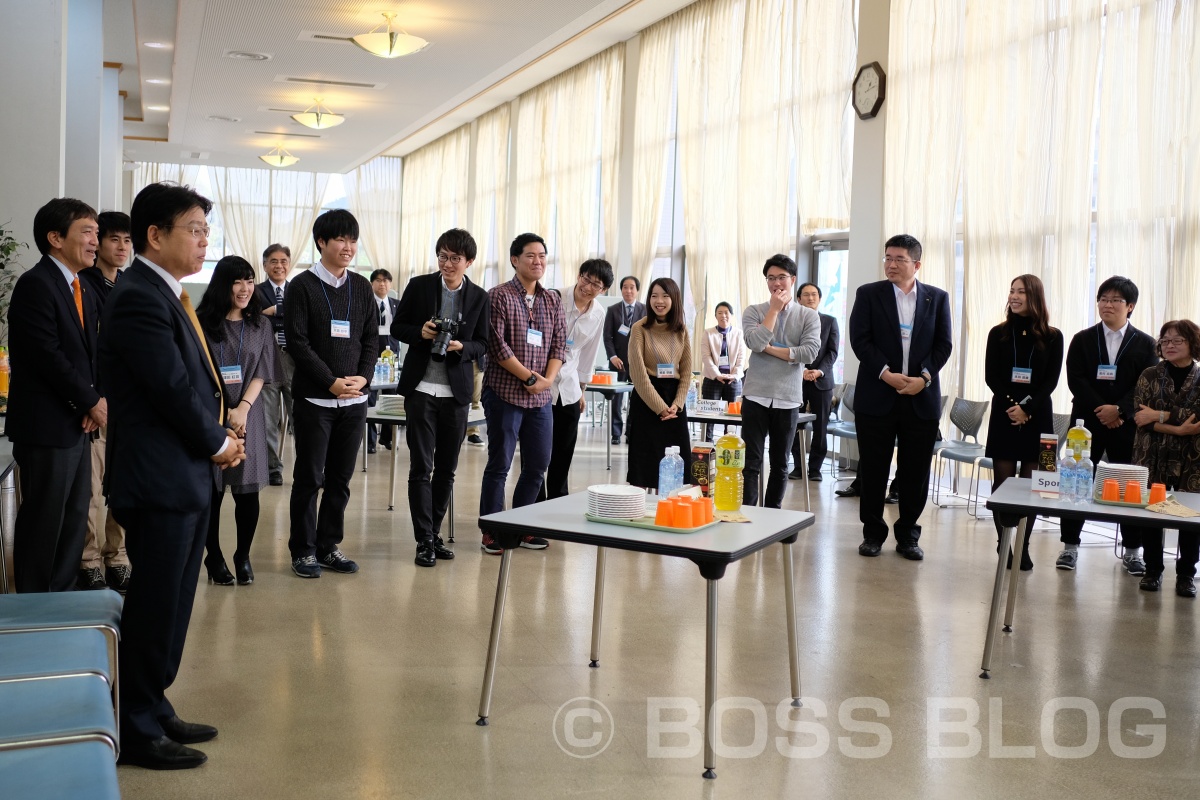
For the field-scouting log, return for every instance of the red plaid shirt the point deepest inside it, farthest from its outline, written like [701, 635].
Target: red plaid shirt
[511, 321]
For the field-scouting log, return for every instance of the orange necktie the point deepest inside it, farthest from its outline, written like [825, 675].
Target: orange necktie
[78, 292]
[191, 312]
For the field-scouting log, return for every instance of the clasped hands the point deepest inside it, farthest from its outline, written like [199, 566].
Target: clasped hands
[233, 454]
[903, 384]
[1017, 415]
[96, 417]
[348, 388]
[670, 412]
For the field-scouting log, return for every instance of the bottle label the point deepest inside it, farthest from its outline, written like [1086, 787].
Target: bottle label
[731, 457]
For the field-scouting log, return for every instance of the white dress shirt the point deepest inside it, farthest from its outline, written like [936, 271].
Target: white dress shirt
[906, 307]
[584, 332]
[1113, 339]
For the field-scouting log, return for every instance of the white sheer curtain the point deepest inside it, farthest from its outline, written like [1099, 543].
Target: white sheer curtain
[491, 193]
[296, 199]
[146, 173]
[373, 191]
[433, 199]
[259, 207]
[1149, 186]
[923, 168]
[651, 133]
[1027, 162]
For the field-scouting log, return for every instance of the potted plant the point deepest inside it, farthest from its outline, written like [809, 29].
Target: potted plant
[9, 272]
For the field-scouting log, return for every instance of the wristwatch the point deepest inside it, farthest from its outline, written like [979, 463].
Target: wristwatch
[531, 380]
[927, 381]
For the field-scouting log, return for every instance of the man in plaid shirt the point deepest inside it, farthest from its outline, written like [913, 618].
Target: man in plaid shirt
[525, 352]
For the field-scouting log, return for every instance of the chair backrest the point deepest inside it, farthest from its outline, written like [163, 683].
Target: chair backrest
[848, 397]
[1062, 424]
[967, 416]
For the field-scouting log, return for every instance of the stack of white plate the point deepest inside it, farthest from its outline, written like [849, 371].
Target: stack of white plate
[616, 501]
[1122, 474]
[390, 404]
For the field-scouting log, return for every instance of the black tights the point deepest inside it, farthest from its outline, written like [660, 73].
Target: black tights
[245, 515]
[1002, 470]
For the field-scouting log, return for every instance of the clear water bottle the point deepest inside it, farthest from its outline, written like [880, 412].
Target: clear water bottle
[692, 396]
[1067, 477]
[670, 472]
[1083, 478]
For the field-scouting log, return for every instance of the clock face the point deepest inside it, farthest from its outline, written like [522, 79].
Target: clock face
[868, 92]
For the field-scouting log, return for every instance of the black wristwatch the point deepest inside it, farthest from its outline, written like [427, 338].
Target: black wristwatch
[928, 381]
[531, 380]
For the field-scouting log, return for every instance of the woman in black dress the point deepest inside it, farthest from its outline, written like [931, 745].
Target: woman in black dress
[1023, 362]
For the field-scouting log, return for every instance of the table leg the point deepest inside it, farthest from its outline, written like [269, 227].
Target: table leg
[608, 447]
[710, 680]
[1006, 537]
[451, 511]
[395, 458]
[489, 673]
[789, 586]
[1019, 546]
[804, 466]
[598, 606]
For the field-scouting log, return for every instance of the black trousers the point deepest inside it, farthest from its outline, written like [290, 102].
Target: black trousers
[435, 431]
[327, 442]
[816, 401]
[1115, 445]
[617, 408]
[1189, 551]
[245, 520]
[562, 449]
[378, 432]
[759, 422]
[51, 525]
[165, 549]
[878, 436]
[712, 389]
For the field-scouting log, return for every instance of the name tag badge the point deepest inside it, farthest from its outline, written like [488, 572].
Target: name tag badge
[232, 374]
[534, 337]
[339, 328]
[1106, 372]
[384, 330]
[1022, 375]
[623, 330]
[666, 370]
[905, 331]
[722, 361]
[570, 342]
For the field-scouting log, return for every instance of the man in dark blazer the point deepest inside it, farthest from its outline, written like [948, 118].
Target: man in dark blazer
[1104, 363]
[54, 405]
[166, 443]
[437, 391]
[818, 387]
[381, 285]
[617, 321]
[900, 331]
[277, 262]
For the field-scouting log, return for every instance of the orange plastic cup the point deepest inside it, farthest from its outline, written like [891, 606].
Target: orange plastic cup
[683, 514]
[1111, 490]
[665, 514]
[1133, 492]
[706, 503]
[1158, 493]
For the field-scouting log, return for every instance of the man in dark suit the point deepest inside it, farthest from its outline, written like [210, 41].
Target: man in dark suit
[381, 285]
[277, 261]
[818, 387]
[1104, 363]
[437, 389]
[617, 321]
[54, 405]
[900, 331]
[166, 441]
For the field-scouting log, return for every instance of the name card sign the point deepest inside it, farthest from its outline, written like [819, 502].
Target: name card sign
[709, 406]
[1046, 483]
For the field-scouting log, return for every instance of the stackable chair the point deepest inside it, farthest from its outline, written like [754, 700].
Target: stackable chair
[83, 770]
[840, 428]
[967, 416]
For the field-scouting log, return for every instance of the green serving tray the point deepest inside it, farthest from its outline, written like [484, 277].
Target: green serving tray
[648, 524]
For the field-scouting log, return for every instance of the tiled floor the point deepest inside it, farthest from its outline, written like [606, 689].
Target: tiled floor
[367, 686]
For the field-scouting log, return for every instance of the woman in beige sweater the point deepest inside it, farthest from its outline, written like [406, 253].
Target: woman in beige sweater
[660, 366]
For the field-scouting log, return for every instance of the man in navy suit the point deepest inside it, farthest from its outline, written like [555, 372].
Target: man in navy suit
[381, 285]
[617, 321]
[818, 387]
[900, 331]
[54, 406]
[166, 441]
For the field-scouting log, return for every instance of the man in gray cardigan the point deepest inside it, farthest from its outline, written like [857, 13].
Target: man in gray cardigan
[782, 336]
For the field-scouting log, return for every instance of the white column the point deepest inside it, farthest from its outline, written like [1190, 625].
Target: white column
[32, 41]
[622, 260]
[112, 127]
[85, 99]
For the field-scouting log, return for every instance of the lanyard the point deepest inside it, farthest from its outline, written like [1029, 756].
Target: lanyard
[1030, 366]
[349, 298]
[529, 307]
[1103, 346]
[241, 340]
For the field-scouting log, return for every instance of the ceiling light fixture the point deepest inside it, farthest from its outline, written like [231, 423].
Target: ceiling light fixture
[389, 43]
[314, 117]
[279, 157]
[157, 81]
[158, 108]
[156, 45]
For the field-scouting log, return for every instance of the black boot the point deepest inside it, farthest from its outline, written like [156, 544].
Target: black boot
[1026, 562]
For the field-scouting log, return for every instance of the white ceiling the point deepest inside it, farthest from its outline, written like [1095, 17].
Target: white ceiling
[482, 53]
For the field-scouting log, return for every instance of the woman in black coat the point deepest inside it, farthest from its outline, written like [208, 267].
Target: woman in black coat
[1022, 365]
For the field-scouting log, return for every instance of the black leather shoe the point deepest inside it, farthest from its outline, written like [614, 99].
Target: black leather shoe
[796, 475]
[1150, 583]
[277, 479]
[892, 499]
[161, 753]
[911, 551]
[1185, 587]
[218, 574]
[425, 556]
[616, 440]
[187, 732]
[371, 449]
[849, 491]
[245, 573]
[868, 549]
[814, 476]
[440, 550]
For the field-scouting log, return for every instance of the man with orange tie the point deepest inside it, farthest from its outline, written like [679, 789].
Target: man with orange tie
[54, 405]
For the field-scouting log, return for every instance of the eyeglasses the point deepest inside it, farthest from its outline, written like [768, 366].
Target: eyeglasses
[900, 262]
[456, 259]
[196, 231]
[777, 278]
[1111, 301]
[591, 283]
[1172, 342]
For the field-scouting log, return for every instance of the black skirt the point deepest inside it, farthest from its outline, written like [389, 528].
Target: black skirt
[1008, 442]
[650, 436]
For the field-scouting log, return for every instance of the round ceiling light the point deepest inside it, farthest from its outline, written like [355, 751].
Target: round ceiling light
[247, 55]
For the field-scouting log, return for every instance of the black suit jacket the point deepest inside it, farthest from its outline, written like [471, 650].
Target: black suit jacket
[1138, 353]
[54, 376]
[420, 303]
[831, 339]
[163, 400]
[266, 294]
[875, 338]
[389, 340]
[616, 344]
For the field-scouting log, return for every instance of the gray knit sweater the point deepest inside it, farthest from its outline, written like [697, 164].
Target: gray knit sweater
[798, 328]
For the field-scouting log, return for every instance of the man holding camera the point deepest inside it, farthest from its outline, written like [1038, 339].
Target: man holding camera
[443, 318]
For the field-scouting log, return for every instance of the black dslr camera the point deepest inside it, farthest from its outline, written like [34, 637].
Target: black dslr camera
[447, 329]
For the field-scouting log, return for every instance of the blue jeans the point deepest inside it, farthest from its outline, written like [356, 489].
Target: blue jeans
[507, 424]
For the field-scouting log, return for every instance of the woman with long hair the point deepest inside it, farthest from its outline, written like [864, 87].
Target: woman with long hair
[1022, 366]
[660, 366]
[242, 346]
[723, 357]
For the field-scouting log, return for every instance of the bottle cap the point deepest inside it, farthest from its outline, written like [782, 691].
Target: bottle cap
[1079, 423]
[1087, 453]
